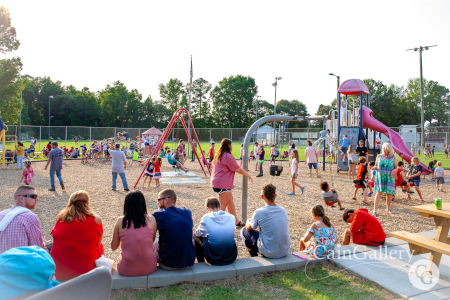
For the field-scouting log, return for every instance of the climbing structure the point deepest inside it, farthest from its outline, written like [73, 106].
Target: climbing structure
[3, 137]
[177, 117]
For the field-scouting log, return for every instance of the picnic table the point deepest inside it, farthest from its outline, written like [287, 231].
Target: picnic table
[420, 245]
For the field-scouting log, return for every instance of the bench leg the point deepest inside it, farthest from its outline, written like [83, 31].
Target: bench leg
[441, 236]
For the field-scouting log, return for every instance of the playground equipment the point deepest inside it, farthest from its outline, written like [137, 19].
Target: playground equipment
[362, 118]
[3, 137]
[248, 136]
[177, 117]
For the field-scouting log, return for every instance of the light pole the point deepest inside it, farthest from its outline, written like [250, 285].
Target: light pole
[49, 97]
[275, 84]
[257, 107]
[337, 93]
[420, 49]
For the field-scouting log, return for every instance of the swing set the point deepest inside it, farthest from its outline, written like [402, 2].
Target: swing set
[177, 117]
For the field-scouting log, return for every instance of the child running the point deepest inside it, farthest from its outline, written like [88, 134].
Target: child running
[439, 176]
[323, 232]
[414, 175]
[361, 179]
[295, 171]
[330, 196]
[27, 174]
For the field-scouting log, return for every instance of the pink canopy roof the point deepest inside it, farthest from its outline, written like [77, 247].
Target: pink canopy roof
[153, 131]
[353, 87]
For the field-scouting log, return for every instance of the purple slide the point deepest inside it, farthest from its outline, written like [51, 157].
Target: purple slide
[394, 138]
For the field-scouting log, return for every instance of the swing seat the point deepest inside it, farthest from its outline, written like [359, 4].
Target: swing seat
[359, 187]
[329, 203]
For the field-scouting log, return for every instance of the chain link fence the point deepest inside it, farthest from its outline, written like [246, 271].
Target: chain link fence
[435, 136]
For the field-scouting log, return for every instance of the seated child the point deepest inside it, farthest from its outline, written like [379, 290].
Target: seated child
[173, 161]
[439, 176]
[330, 196]
[365, 229]
[323, 232]
[162, 153]
[400, 179]
[285, 155]
[361, 178]
[414, 175]
[252, 155]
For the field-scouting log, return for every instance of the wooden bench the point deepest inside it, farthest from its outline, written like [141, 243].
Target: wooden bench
[421, 245]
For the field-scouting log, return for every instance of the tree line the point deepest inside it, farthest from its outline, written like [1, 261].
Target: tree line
[233, 99]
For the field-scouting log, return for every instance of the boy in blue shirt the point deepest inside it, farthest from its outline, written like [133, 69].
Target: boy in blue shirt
[344, 146]
[414, 175]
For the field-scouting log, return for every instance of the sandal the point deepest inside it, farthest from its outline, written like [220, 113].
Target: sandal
[365, 202]
[354, 198]
[374, 214]
[240, 224]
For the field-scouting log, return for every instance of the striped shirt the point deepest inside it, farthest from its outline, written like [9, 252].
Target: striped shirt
[24, 230]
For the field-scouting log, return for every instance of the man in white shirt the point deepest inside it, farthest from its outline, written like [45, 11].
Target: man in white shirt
[119, 164]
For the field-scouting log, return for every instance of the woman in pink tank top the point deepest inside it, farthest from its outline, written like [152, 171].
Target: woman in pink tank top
[135, 230]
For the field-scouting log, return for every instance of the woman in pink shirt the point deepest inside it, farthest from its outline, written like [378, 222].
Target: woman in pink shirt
[222, 178]
[311, 158]
[135, 230]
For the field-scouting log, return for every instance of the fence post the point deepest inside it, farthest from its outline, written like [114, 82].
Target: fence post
[40, 137]
[139, 132]
[115, 132]
[65, 143]
[90, 133]
[210, 135]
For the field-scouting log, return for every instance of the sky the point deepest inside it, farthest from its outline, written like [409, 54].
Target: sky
[145, 43]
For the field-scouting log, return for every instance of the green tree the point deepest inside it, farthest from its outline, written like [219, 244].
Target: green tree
[8, 37]
[171, 94]
[293, 108]
[233, 99]
[10, 88]
[200, 101]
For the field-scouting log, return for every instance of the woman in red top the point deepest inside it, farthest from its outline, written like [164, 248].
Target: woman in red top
[77, 238]
[222, 177]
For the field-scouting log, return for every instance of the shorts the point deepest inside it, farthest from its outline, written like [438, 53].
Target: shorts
[94, 151]
[415, 181]
[294, 176]
[344, 149]
[134, 160]
[220, 191]
[404, 183]
[371, 183]
[311, 165]
[440, 180]
[361, 238]
[361, 183]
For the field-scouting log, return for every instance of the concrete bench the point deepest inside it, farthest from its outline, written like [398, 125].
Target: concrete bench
[204, 272]
[420, 245]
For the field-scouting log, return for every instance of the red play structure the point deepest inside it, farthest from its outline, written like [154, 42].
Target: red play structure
[177, 116]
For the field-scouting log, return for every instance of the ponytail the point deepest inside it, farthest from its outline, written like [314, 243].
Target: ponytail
[318, 211]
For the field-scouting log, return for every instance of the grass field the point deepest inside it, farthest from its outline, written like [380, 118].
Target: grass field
[295, 284]
[439, 156]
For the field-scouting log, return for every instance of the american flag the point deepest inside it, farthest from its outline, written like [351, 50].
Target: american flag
[192, 71]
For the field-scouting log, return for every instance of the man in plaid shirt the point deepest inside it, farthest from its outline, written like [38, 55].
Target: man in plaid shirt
[24, 229]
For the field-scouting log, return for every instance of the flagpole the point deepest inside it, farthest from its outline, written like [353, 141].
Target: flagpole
[190, 88]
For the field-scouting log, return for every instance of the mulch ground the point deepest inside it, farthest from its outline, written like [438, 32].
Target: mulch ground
[96, 180]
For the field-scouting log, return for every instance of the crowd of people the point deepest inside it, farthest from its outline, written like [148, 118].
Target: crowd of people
[167, 236]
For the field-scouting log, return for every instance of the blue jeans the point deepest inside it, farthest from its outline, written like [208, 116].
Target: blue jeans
[250, 240]
[19, 162]
[124, 180]
[52, 178]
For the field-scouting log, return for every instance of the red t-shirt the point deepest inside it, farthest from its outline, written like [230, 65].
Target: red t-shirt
[362, 171]
[223, 173]
[75, 247]
[399, 180]
[211, 152]
[368, 224]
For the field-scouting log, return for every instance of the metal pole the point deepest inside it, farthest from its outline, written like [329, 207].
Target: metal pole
[275, 109]
[20, 117]
[421, 99]
[49, 97]
[324, 144]
[90, 133]
[190, 87]
[40, 137]
[361, 117]
[231, 137]
[257, 108]
[65, 142]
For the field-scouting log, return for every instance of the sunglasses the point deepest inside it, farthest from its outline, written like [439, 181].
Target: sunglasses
[34, 196]
[159, 199]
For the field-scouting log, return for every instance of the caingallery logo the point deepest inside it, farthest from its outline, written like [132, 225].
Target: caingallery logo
[422, 279]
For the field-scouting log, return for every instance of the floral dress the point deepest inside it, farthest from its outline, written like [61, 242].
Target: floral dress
[384, 183]
[323, 243]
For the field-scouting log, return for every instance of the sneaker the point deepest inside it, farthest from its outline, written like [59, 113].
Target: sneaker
[187, 170]
[403, 191]
[259, 175]
[410, 192]
[62, 187]
[362, 194]
[114, 190]
[126, 190]
[51, 190]
[303, 190]
[291, 194]
[370, 194]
